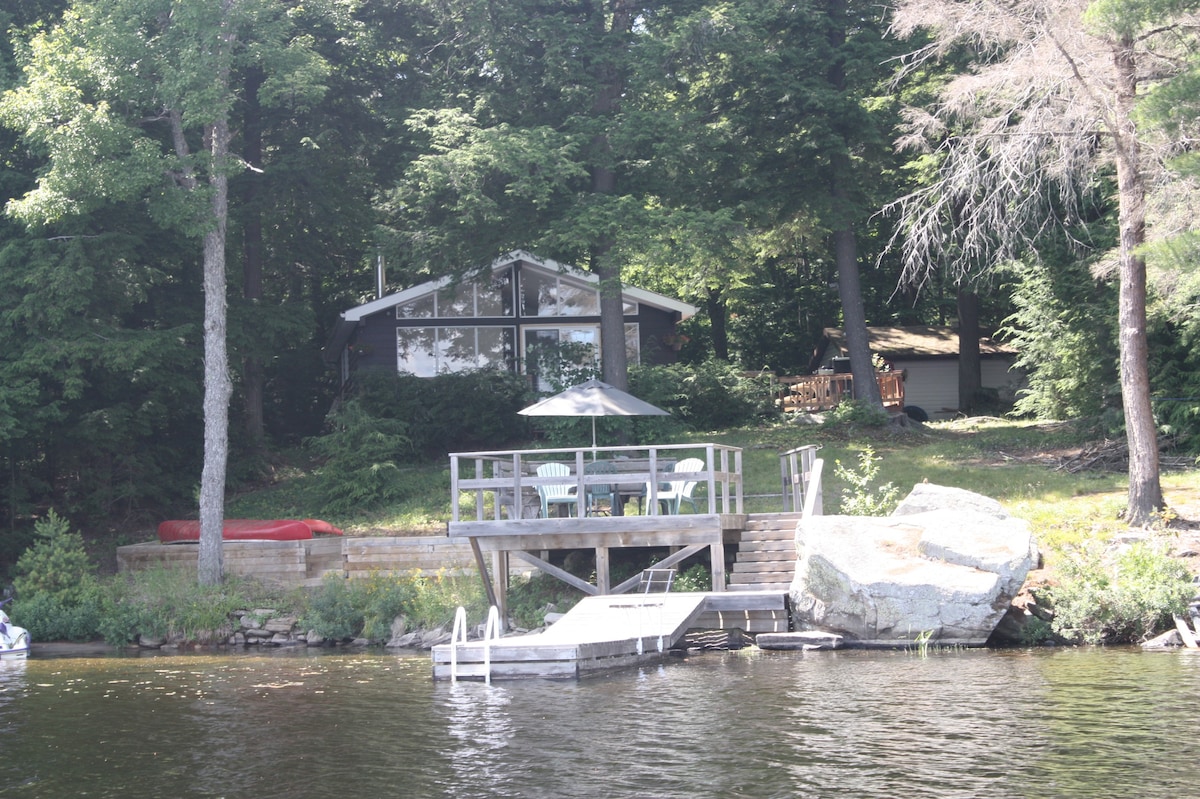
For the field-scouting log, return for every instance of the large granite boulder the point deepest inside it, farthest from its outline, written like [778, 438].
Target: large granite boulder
[943, 568]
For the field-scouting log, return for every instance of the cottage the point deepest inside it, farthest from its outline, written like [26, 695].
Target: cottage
[928, 358]
[502, 318]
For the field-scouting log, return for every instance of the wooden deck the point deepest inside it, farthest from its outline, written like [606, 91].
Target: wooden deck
[819, 393]
[599, 634]
[484, 485]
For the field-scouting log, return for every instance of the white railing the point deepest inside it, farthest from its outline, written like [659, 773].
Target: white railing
[509, 477]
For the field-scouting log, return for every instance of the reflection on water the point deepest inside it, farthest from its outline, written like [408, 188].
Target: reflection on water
[751, 724]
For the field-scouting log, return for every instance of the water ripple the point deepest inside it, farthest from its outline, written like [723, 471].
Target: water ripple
[752, 724]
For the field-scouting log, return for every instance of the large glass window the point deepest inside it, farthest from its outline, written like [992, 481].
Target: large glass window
[556, 351]
[495, 297]
[420, 308]
[429, 351]
[482, 297]
[554, 295]
[633, 348]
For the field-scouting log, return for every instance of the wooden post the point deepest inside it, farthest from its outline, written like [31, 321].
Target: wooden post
[603, 571]
[718, 566]
[500, 567]
[483, 572]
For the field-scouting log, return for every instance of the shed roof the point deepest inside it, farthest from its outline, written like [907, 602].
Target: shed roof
[915, 341]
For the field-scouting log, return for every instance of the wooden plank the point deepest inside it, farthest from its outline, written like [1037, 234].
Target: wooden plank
[747, 600]
[556, 572]
[773, 566]
[1185, 632]
[576, 526]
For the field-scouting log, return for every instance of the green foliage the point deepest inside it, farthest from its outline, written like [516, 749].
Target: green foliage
[170, 603]
[694, 578]
[56, 566]
[333, 610]
[1063, 331]
[393, 420]
[360, 453]
[856, 413]
[365, 607]
[709, 396]
[1121, 599]
[1175, 377]
[49, 618]
[860, 496]
[529, 597]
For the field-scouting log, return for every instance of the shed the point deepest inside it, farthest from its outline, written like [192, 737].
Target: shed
[501, 316]
[928, 358]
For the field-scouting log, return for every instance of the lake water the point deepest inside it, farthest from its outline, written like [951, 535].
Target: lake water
[1043, 723]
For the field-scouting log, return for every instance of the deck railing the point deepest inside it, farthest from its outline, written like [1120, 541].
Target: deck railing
[510, 478]
[815, 393]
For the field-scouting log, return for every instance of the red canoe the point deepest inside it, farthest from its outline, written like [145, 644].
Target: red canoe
[176, 531]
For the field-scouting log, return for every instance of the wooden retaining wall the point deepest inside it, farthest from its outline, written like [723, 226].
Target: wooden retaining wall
[307, 562]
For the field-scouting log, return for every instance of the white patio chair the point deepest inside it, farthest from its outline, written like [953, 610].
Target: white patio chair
[675, 492]
[560, 494]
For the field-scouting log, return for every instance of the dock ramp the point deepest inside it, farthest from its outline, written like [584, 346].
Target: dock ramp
[599, 633]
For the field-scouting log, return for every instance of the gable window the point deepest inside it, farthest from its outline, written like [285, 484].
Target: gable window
[482, 297]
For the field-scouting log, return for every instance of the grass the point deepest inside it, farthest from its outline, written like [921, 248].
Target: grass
[1013, 462]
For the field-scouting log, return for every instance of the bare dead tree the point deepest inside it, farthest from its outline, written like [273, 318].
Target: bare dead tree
[1016, 144]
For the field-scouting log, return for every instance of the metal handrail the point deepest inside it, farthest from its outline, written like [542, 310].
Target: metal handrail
[460, 624]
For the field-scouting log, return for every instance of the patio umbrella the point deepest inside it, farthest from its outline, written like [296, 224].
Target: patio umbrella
[593, 399]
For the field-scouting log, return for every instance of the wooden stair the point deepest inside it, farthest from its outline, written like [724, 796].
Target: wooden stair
[766, 554]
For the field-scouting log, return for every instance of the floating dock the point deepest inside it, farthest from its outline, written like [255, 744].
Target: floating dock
[608, 632]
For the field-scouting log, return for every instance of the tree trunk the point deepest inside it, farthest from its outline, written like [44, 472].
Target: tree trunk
[217, 385]
[1145, 491]
[717, 318]
[970, 377]
[252, 253]
[854, 315]
[614, 362]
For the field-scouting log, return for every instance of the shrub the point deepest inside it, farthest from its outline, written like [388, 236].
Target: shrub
[49, 618]
[360, 453]
[395, 419]
[332, 610]
[58, 596]
[170, 603]
[1121, 599]
[860, 496]
[856, 413]
[365, 607]
[694, 578]
[528, 598]
[57, 564]
[709, 396]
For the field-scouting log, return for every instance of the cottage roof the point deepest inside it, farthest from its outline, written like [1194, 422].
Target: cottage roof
[543, 264]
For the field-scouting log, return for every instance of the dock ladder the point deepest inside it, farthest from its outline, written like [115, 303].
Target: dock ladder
[653, 581]
[491, 631]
